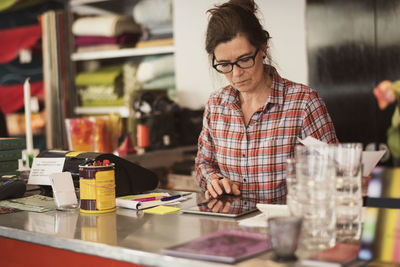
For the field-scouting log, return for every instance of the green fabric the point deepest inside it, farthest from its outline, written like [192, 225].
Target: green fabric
[103, 103]
[14, 5]
[110, 75]
[4, 4]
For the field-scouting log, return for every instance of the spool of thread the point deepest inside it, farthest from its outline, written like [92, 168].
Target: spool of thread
[97, 188]
[143, 135]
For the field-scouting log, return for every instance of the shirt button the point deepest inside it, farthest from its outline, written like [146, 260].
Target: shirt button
[244, 155]
[245, 180]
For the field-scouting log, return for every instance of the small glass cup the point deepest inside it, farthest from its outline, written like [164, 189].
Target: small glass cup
[284, 233]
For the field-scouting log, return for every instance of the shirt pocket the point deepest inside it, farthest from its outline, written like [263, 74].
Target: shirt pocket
[276, 150]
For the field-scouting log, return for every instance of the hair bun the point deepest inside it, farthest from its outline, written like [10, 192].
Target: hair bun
[249, 5]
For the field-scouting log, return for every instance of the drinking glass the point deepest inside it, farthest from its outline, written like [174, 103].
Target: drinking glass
[284, 233]
[348, 189]
[315, 173]
[291, 184]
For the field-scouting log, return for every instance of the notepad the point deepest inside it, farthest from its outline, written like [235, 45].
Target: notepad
[162, 210]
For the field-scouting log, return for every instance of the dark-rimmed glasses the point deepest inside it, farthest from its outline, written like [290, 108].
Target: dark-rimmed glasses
[243, 63]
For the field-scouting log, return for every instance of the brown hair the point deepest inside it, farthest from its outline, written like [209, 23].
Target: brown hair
[231, 18]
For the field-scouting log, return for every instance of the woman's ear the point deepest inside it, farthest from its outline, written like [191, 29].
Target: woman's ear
[264, 51]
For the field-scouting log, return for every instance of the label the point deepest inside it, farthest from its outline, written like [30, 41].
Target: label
[87, 188]
[42, 168]
[105, 189]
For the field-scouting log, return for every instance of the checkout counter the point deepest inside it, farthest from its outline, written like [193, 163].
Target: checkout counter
[128, 237]
[125, 237]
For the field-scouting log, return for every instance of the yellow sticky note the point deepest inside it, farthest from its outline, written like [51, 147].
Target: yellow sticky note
[161, 210]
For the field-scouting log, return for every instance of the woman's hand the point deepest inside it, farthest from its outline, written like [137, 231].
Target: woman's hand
[221, 186]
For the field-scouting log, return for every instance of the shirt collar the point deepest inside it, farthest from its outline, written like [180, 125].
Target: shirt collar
[276, 95]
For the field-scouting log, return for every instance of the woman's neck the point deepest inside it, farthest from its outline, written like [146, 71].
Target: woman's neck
[258, 96]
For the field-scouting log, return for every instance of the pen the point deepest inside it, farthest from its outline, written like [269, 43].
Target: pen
[174, 197]
[170, 198]
[147, 199]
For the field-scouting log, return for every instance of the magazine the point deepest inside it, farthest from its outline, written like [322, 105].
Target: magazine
[227, 246]
[339, 255]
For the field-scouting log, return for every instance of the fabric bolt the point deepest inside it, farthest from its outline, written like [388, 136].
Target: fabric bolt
[15, 72]
[12, 96]
[157, 31]
[165, 82]
[106, 76]
[148, 12]
[98, 93]
[155, 66]
[124, 39]
[254, 156]
[7, 4]
[112, 25]
[14, 39]
[155, 42]
[97, 48]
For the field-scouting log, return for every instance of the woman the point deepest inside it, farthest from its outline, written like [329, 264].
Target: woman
[251, 126]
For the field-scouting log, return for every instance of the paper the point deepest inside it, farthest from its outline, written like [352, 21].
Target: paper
[63, 189]
[369, 158]
[310, 141]
[256, 221]
[162, 210]
[130, 201]
[36, 203]
[42, 168]
[273, 210]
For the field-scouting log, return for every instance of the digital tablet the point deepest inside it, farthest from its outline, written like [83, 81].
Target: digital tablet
[226, 206]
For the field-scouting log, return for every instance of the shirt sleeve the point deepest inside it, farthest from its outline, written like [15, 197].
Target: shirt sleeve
[317, 122]
[206, 165]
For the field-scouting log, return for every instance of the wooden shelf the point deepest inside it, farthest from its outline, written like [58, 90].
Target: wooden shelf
[122, 111]
[125, 52]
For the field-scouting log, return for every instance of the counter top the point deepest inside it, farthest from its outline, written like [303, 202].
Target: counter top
[124, 235]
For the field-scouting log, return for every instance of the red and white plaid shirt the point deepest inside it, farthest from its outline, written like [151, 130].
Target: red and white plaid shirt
[254, 156]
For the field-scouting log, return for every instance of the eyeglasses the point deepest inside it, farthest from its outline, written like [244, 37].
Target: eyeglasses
[243, 63]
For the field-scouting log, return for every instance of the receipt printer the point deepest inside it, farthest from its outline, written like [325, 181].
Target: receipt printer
[130, 178]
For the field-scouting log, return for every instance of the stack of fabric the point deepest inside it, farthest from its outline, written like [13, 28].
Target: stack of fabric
[157, 72]
[10, 154]
[108, 32]
[155, 16]
[20, 51]
[102, 87]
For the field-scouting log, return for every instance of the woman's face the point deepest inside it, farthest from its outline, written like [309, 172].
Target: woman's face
[244, 80]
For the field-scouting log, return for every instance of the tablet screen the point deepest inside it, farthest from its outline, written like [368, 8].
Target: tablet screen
[226, 205]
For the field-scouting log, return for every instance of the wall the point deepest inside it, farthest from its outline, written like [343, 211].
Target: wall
[285, 21]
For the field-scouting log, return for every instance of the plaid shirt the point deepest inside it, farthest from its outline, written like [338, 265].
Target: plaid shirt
[254, 156]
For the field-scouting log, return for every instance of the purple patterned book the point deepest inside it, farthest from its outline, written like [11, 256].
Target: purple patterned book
[228, 246]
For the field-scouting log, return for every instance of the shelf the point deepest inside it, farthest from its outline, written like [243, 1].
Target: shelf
[125, 52]
[82, 2]
[122, 111]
